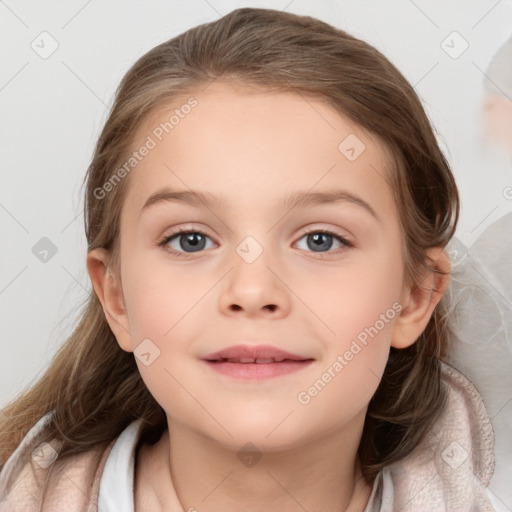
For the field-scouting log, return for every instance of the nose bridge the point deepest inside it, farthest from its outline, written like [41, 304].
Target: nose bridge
[250, 262]
[253, 284]
[250, 249]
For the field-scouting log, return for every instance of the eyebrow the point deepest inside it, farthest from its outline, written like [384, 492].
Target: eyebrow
[299, 199]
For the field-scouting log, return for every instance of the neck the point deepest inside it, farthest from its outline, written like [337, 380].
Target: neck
[322, 475]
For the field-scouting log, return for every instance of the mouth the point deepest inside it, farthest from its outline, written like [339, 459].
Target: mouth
[248, 360]
[255, 362]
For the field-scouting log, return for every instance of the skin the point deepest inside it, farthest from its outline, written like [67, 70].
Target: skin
[497, 113]
[306, 302]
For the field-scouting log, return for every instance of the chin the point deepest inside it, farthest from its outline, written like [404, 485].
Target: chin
[247, 443]
[265, 436]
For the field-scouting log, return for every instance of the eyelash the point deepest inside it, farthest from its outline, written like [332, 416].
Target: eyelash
[163, 243]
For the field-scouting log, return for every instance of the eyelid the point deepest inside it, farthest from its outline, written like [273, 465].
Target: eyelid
[331, 231]
[186, 228]
[166, 238]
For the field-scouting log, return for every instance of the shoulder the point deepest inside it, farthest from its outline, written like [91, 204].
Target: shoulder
[34, 478]
[454, 463]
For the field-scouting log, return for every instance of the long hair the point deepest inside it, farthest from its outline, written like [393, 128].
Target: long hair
[93, 386]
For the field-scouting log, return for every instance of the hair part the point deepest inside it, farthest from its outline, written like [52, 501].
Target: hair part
[93, 386]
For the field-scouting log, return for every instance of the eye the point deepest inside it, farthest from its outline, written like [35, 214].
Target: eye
[188, 242]
[319, 239]
[193, 240]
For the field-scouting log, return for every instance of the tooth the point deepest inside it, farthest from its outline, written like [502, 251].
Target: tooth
[242, 360]
[263, 361]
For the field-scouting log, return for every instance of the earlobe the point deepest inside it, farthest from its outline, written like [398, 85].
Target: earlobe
[107, 285]
[419, 301]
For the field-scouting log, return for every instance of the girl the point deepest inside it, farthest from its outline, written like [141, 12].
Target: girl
[266, 214]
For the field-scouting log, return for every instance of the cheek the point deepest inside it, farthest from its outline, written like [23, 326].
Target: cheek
[164, 307]
[361, 310]
[356, 299]
[343, 390]
[162, 300]
[356, 355]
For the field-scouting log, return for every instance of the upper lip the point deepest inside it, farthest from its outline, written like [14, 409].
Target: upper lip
[239, 352]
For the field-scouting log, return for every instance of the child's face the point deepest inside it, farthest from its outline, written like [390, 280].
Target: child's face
[254, 151]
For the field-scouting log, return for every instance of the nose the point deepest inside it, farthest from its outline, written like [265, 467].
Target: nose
[255, 289]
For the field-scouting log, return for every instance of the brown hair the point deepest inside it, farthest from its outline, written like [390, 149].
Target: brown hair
[93, 385]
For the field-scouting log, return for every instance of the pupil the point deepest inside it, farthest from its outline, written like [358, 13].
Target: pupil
[319, 237]
[195, 244]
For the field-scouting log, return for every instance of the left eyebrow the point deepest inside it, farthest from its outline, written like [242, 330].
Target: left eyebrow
[299, 199]
[302, 199]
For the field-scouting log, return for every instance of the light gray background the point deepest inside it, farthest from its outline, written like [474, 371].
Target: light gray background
[54, 108]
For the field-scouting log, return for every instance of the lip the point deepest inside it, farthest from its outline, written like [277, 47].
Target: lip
[254, 352]
[235, 361]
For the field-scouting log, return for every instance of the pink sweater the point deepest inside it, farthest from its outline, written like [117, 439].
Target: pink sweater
[448, 471]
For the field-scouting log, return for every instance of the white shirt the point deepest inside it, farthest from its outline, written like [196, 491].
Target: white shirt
[117, 480]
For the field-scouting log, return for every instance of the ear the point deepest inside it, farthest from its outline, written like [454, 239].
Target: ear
[107, 285]
[419, 301]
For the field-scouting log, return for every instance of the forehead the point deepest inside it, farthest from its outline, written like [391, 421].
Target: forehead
[246, 143]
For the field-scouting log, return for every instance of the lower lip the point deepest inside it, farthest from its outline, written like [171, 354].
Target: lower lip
[258, 371]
